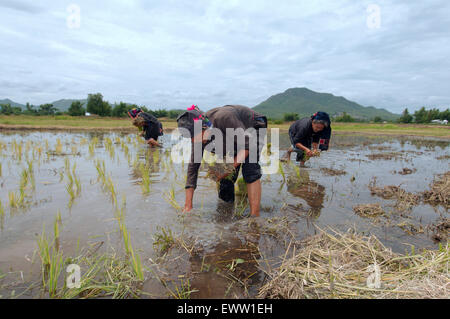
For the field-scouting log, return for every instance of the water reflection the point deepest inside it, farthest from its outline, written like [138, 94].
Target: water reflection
[313, 193]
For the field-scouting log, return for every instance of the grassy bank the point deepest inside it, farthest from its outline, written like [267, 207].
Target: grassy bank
[65, 122]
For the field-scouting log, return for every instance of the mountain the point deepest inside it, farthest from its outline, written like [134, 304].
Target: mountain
[12, 103]
[64, 104]
[306, 102]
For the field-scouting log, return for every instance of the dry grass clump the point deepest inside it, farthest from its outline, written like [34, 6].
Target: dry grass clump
[440, 191]
[385, 156]
[368, 210]
[341, 265]
[406, 171]
[405, 200]
[440, 230]
[332, 172]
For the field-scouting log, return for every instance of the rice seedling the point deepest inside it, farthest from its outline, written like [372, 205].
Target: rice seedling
[183, 291]
[163, 239]
[58, 146]
[170, 198]
[13, 200]
[92, 146]
[135, 259]
[2, 210]
[120, 213]
[145, 183]
[105, 275]
[110, 186]
[281, 170]
[74, 149]
[155, 157]
[0, 169]
[51, 264]
[73, 185]
[101, 171]
[56, 225]
[83, 141]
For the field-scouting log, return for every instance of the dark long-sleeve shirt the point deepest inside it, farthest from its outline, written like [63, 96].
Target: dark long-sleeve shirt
[228, 116]
[301, 132]
[152, 127]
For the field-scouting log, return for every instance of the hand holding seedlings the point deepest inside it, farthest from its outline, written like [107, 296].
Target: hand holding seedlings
[198, 126]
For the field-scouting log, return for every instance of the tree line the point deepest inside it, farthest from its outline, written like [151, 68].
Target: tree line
[95, 105]
[424, 116]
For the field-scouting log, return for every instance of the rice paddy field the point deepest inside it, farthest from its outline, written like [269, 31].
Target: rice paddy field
[108, 203]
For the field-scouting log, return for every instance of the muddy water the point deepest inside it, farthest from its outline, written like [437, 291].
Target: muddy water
[224, 253]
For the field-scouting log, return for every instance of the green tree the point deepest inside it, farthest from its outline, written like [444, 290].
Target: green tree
[406, 117]
[173, 114]
[6, 109]
[120, 110]
[29, 109]
[344, 118]
[288, 117]
[76, 109]
[378, 119]
[445, 115]
[96, 105]
[47, 109]
[421, 116]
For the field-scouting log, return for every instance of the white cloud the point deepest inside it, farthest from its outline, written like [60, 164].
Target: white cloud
[175, 53]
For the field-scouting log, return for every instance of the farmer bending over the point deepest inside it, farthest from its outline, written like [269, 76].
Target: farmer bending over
[315, 131]
[150, 126]
[221, 118]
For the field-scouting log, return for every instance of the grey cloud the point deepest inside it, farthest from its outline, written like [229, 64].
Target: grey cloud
[21, 6]
[176, 53]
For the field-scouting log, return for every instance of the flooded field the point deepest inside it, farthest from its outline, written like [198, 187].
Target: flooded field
[107, 202]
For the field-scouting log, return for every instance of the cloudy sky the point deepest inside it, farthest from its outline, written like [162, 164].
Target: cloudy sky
[388, 54]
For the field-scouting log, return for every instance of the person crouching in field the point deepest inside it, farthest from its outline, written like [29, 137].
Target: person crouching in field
[244, 149]
[308, 135]
[150, 126]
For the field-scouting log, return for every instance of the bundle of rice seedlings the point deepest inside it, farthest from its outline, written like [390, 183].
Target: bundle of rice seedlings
[368, 210]
[216, 170]
[440, 191]
[349, 265]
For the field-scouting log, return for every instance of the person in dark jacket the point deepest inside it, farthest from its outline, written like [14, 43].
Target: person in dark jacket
[309, 135]
[221, 118]
[150, 126]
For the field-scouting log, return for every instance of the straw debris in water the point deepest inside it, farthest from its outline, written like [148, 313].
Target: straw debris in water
[368, 210]
[349, 265]
[405, 200]
[440, 191]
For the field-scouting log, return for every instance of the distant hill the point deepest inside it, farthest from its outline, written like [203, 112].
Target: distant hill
[64, 104]
[12, 103]
[305, 102]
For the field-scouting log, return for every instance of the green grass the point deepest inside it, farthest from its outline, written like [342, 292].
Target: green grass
[100, 123]
[385, 129]
[163, 239]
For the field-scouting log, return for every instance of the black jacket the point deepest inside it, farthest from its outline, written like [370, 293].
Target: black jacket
[152, 127]
[301, 132]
